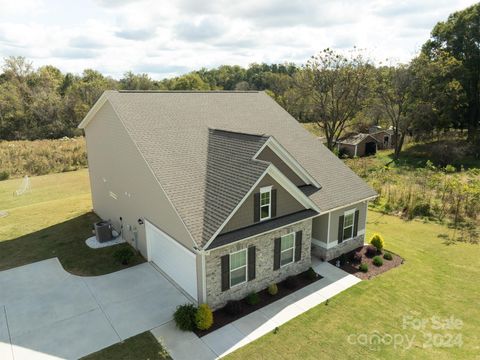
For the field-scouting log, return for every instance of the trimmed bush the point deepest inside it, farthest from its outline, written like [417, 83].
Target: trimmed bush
[4, 175]
[388, 256]
[204, 317]
[272, 289]
[310, 274]
[124, 255]
[377, 261]
[363, 267]
[234, 307]
[371, 251]
[252, 298]
[377, 241]
[291, 282]
[185, 317]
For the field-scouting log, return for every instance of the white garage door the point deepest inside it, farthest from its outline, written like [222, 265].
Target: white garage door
[176, 261]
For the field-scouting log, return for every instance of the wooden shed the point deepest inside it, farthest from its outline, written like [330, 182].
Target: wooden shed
[358, 145]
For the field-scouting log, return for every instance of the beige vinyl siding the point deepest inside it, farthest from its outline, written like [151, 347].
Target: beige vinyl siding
[286, 204]
[268, 155]
[118, 170]
[320, 228]
[335, 215]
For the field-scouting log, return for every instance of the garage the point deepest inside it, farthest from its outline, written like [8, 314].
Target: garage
[172, 258]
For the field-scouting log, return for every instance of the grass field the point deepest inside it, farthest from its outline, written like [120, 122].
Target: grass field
[140, 347]
[53, 220]
[40, 157]
[435, 280]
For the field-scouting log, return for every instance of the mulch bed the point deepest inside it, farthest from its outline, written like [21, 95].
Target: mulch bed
[222, 318]
[351, 266]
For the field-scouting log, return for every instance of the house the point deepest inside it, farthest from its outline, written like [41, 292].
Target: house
[224, 191]
[358, 145]
[385, 137]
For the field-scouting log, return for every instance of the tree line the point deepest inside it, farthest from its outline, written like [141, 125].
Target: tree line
[438, 90]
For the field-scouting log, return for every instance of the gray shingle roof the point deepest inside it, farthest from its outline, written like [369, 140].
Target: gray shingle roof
[206, 172]
[355, 139]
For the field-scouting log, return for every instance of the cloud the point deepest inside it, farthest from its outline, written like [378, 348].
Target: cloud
[83, 41]
[74, 53]
[204, 29]
[136, 34]
[170, 38]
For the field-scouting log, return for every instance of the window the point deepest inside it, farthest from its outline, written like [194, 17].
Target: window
[287, 249]
[348, 221]
[265, 202]
[238, 267]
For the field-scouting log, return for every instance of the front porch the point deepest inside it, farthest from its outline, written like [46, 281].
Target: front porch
[338, 232]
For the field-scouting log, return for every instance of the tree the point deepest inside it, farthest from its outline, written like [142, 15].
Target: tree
[131, 81]
[393, 88]
[459, 37]
[333, 88]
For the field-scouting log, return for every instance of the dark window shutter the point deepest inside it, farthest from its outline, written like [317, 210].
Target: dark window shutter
[355, 223]
[340, 229]
[256, 207]
[225, 272]
[273, 203]
[251, 262]
[276, 253]
[298, 246]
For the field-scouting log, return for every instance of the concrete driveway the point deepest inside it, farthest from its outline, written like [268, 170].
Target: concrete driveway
[46, 312]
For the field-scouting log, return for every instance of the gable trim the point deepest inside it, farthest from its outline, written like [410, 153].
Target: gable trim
[93, 111]
[288, 159]
[283, 181]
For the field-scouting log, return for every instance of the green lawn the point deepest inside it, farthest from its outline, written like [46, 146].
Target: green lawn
[53, 220]
[140, 347]
[435, 280]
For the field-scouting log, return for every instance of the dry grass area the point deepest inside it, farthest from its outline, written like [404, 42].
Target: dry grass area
[40, 157]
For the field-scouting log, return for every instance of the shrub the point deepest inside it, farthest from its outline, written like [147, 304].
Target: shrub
[252, 298]
[357, 257]
[371, 251]
[310, 274]
[272, 289]
[291, 282]
[204, 317]
[185, 316]
[377, 241]
[4, 175]
[422, 209]
[363, 267]
[234, 307]
[377, 261]
[124, 255]
[388, 256]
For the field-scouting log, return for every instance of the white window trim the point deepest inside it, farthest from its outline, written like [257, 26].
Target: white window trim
[345, 214]
[244, 266]
[266, 189]
[281, 251]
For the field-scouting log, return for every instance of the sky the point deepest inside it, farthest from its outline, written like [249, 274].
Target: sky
[169, 38]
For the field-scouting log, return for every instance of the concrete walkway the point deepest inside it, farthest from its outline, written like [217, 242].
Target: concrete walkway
[48, 313]
[186, 345]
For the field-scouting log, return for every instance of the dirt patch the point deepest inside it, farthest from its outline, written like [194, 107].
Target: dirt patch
[348, 264]
[222, 318]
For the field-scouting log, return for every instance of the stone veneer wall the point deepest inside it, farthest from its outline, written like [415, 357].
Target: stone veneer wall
[342, 248]
[265, 275]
